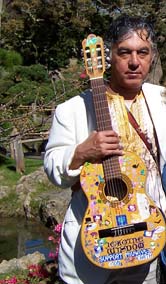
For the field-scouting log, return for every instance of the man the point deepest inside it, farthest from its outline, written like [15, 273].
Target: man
[74, 140]
[164, 177]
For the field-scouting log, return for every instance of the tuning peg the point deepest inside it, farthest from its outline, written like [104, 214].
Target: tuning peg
[108, 59]
[107, 65]
[106, 49]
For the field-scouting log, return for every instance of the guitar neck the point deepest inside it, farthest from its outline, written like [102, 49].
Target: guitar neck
[101, 105]
[111, 164]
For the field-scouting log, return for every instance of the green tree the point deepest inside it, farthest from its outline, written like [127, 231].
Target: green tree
[10, 58]
[46, 32]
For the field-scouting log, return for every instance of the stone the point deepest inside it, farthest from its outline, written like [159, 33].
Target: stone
[21, 263]
[54, 208]
[4, 191]
[52, 202]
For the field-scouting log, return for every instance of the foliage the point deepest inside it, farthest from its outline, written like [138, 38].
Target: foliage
[50, 32]
[10, 58]
[24, 78]
[35, 72]
[5, 84]
[29, 94]
[34, 274]
[39, 37]
[24, 85]
[41, 30]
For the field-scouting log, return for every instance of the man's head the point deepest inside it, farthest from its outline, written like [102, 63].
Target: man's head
[133, 49]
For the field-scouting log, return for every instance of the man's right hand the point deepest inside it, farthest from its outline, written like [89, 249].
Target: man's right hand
[96, 147]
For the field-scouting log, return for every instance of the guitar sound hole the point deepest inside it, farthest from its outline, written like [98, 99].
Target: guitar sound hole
[115, 189]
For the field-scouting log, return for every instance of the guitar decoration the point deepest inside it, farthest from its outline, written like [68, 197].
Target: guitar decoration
[121, 227]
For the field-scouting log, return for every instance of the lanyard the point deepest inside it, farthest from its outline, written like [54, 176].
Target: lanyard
[143, 136]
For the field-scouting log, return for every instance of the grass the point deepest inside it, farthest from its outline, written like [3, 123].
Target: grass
[8, 173]
[10, 203]
[9, 177]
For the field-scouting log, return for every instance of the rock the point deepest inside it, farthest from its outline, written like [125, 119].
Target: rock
[54, 208]
[37, 199]
[52, 203]
[4, 191]
[27, 206]
[29, 182]
[21, 263]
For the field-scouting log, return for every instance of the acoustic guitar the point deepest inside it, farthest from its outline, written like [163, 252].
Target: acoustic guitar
[122, 227]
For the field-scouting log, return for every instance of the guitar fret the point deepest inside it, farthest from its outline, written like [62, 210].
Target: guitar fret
[111, 168]
[100, 96]
[111, 165]
[98, 106]
[102, 114]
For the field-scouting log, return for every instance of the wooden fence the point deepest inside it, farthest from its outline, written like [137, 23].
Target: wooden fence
[16, 148]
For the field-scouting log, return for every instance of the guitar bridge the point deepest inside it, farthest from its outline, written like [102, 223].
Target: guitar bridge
[123, 230]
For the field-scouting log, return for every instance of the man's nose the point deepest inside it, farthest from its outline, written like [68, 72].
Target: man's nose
[133, 61]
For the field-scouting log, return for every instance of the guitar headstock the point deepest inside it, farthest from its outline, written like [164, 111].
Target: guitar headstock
[93, 50]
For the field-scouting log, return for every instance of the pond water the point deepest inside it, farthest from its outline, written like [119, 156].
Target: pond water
[19, 237]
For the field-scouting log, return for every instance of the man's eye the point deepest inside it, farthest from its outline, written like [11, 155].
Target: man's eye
[123, 52]
[143, 52]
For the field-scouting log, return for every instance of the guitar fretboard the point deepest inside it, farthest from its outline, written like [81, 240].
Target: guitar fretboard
[111, 164]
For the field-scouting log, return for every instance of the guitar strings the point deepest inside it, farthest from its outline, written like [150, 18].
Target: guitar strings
[110, 164]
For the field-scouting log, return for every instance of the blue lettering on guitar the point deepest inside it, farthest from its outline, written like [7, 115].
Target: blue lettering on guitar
[110, 257]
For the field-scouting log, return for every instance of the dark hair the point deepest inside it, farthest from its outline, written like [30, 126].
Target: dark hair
[123, 25]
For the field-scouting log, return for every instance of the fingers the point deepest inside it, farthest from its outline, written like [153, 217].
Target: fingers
[106, 143]
[96, 147]
[106, 135]
[106, 139]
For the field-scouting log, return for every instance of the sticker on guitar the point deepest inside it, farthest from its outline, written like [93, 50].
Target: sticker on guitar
[122, 227]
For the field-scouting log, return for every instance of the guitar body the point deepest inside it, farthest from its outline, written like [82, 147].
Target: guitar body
[125, 230]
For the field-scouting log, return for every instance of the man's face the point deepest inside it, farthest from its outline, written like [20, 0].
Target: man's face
[131, 61]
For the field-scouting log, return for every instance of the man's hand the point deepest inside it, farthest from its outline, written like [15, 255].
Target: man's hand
[96, 147]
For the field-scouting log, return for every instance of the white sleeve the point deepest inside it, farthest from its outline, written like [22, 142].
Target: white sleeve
[61, 147]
